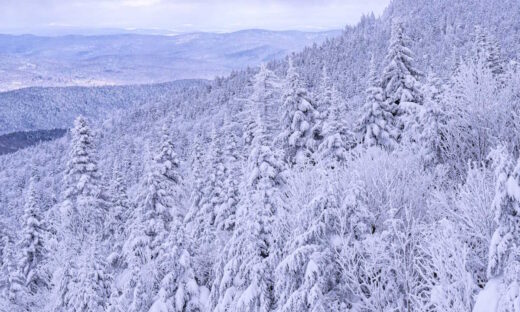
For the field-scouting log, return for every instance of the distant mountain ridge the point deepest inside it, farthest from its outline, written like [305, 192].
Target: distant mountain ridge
[119, 59]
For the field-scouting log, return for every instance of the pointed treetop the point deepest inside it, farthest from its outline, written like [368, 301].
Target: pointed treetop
[373, 77]
[292, 73]
[80, 122]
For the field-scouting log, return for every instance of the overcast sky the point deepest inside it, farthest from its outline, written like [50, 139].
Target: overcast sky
[184, 15]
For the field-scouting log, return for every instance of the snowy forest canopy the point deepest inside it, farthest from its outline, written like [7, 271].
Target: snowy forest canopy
[378, 171]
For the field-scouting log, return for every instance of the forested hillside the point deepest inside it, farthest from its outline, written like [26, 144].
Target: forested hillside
[10, 143]
[377, 172]
[56, 107]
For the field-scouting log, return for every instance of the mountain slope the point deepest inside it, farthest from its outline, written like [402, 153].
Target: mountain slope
[383, 230]
[346, 57]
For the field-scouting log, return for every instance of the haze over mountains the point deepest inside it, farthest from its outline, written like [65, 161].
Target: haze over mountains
[138, 58]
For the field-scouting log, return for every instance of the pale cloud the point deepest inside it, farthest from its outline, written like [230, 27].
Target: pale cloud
[140, 3]
[186, 15]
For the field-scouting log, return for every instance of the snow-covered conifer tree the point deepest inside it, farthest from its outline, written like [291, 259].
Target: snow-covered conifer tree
[82, 209]
[63, 287]
[178, 288]
[214, 192]
[310, 275]
[83, 212]
[400, 84]
[298, 119]
[244, 274]
[486, 48]
[199, 185]
[89, 287]
[376, 125]
[433, 120]
[157, 241]
[332, 145]
[117, 217]
[266, 87]
[504, 250]
[32, 244]
[201, 222]
[226, 212]
[306, 276]
[198, 182]
[14, 293]
[158, 194]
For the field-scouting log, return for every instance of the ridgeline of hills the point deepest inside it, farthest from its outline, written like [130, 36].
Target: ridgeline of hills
[122, 59]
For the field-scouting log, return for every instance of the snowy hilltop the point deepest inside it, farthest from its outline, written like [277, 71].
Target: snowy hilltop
[377, 171]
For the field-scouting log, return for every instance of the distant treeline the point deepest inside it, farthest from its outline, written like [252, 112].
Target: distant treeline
[10, 143]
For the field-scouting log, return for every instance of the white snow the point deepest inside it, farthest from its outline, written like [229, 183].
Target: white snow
[488, 298]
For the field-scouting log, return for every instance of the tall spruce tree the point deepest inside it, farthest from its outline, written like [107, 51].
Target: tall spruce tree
[486, 48]
[433, 121]
[84, 212]
[82, 209]
[400, 85]
[330, 139]
[89, 285]
[202, 222]
[266, 87]
[376, 126]
[198, 178]
[226, 211]
[244, 275]
[117, 217]
[298, 119]
[14, 293]
[31, 246]
[309, 276]
[155, 220]
[159, 194]
[178, 287]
